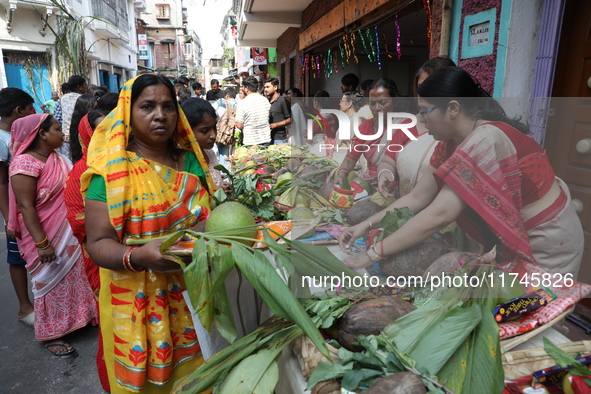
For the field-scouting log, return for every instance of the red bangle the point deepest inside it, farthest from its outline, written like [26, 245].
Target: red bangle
[127, 260]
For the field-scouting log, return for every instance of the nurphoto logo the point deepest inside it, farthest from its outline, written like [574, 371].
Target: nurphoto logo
[394, 121]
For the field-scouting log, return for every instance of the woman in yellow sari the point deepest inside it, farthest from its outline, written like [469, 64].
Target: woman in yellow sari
[147, 177]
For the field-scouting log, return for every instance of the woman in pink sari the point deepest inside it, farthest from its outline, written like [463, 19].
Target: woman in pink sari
[64, 301]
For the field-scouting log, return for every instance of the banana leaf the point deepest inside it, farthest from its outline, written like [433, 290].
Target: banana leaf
[259, 373]
[432, 342]
[199, 286]
[476, 366]
[214, 370]
[267, 282]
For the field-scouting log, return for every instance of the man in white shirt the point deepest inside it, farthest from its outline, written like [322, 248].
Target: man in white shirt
[252, 115]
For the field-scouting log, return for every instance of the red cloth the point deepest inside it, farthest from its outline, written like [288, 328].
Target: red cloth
[75, 203]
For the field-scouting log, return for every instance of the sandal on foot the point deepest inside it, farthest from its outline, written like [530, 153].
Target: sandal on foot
[29, 320]
[62, 345]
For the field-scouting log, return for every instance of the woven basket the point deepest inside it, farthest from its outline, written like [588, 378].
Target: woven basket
[308, 355]
[524, 362]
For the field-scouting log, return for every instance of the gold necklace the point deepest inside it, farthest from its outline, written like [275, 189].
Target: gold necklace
[176, 163]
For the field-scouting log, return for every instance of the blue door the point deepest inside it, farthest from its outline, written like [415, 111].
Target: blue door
[39, 88]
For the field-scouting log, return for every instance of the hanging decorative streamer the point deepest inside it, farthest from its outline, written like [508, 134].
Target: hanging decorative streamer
[385, 41]
[372, 45]
[428, 12]
[318, 66]
[398, 49]
[352, 39]
[342, 50]
[375, 28]
[362, 36]
[335, 63]
[313, 69]
[303, 64]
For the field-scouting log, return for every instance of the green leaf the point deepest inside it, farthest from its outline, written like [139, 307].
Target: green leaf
[563, 360]
[352, 378]
[275, 293]
[257, 373]
[327, 371]
[431, 338]
[476, 366]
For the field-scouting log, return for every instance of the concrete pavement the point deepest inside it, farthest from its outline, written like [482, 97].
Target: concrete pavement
[26, 366]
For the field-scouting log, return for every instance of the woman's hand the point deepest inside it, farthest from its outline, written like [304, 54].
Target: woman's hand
[341, 175]
[358, 260]
[149, 256]
[46, 255]
[385, 183]
[351, 234]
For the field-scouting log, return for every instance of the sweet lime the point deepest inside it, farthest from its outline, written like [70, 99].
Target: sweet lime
[231, 217]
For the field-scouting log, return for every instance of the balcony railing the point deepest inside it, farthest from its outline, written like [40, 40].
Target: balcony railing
[112, 11]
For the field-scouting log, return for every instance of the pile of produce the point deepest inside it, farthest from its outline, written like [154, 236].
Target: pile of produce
[450, 343]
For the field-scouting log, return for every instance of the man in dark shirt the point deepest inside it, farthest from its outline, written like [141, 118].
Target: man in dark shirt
[280, 114]
[215, 92]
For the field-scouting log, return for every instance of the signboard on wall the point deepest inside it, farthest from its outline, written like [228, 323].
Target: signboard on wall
[259, 56]
[479, 34]
[142, 44]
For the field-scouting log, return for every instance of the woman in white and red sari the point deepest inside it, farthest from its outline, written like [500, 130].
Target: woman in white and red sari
[489, 175]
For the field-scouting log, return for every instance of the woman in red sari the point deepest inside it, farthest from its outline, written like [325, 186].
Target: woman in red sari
[63, 297]
[489, 175]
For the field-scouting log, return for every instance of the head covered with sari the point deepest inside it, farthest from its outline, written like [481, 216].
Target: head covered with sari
[24, 132]
[143, 197]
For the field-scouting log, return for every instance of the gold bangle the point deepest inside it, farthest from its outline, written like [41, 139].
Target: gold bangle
[42, 242]
[370, 224]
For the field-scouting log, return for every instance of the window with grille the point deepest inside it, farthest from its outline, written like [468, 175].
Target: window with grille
[163, 11]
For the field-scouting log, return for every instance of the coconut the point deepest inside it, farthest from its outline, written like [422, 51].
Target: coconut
[326, 189]
[370, 318]
[398, 383]
[258, 158]
[269, 169]
[292, 164]
[445, 263]
[230, 217]
[361, 211]
[303, 213]
[414, 260]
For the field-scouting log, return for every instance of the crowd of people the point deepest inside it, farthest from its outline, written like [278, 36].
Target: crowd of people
[143, 167]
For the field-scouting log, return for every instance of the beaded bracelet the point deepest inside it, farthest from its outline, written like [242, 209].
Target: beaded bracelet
[127, 260]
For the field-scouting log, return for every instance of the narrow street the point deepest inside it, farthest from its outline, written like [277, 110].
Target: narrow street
[27, 367]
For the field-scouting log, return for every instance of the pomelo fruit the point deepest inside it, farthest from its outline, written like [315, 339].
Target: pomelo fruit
[381, 200]
[230, 217]
[508, 287]
[303, 213]
[301, 200]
